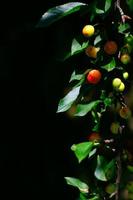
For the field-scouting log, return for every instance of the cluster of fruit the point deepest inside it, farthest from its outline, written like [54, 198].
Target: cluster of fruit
[94, 76]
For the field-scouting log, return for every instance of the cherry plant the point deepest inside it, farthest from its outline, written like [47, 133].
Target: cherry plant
[99, 90]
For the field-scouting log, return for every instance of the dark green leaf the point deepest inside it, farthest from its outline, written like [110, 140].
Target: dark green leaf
[83, 187]
[68, 100]
[99, 172]
[130, 4]
[96, 127]
[104, 170]
[82, 197]
[83, 109]
[107, 5]
[130, 168]
[110, 66]
[109, 169]
[122, 28]
[82, 150]
[58, 12]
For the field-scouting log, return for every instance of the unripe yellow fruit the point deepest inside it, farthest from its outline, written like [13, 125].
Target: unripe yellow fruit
[88, 30]
[116, 82]
[125, 75]
[121, 88]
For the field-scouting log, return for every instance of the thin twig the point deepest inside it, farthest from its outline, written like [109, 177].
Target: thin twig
[123, 16]
[118, 179]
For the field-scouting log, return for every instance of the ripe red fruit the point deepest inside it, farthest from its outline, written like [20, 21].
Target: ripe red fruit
[94, 137]
[94, 76]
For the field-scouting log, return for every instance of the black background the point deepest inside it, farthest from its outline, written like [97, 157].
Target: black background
[35, 141]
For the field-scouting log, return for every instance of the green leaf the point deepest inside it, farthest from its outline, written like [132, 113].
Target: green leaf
[77, 47]
[110, 66]
[99, 172]
[92, 153]
[104, 170]
[76, 77]
[99, 11]
[107, 5]
[122, 28]
[68, 100]
[83, 109]
[130, 168]
[82, 197]
[110, 169]
[58, 12]
[82, 150]
[107, 101]
[130, 4]
[97, 40]
[83, 187]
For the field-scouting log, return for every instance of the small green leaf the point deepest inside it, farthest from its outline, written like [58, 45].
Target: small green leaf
[110, 66]
[122, 28]
[58, 12]
[130, 168]
[107, 101]
[99, 172]
[76, 77]
[83, 109]
[92, 153]
[68, 100]
[97, 40]
[77, 47]
[82, 150]
[83, 187]
[107, 5]
[99, 11]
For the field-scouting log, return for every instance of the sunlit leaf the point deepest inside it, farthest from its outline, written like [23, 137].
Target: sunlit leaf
[97, 40]
[122, 28]
[68, 100]
[83, 187]
[99, 172]
[82, 150]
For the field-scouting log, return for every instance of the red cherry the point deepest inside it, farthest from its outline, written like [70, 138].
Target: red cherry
[94, 76]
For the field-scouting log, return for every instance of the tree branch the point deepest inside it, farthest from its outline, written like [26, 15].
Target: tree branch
[123, 16]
